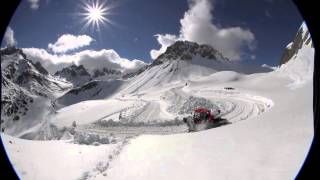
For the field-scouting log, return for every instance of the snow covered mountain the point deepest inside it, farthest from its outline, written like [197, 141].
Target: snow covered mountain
[186, 50]
[302, 39]
[23, 72]
[25, 85]
[298, 59]
[106, 73]
[101, 84]
[180, 61]
[183, 61]
[77, 75]
[96, 89]
[269, 132]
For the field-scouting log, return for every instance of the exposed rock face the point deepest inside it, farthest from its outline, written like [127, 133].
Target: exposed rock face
[12, 50]
[77, 75]
[22, 83]
[302, 38]
[186, 50]
[95, 89]
[130, 75]
[40, 68]
[106, 72]
[14, 101]
[22, 72]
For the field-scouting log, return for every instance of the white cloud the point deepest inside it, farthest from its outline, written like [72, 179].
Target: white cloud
[165, 41]
[90, 59]
[9, 37]
[197, 26]
[34, 4]
[67, 42]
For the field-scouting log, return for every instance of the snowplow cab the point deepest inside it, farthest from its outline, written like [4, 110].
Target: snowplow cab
[202, 115]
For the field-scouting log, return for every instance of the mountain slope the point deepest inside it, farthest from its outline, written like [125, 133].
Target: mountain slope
[26, 86]
[298, 61]
[77, 75]
[106, 74]
[96, 89]
[181, 62]
[302, 39]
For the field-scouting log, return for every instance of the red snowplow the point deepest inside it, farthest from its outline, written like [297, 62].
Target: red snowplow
[203, 118]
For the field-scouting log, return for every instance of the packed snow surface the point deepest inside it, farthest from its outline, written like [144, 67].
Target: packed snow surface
[58, 159]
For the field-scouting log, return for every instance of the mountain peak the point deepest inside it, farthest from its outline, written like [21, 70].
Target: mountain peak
[106, 72]
[302, 38]
[186, 50]
[73, 70]
[12, 50]
[77, 75]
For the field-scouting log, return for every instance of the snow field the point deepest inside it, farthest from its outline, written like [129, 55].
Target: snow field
[57, 159]
[300, 68]
[87, 112]
[265, 146]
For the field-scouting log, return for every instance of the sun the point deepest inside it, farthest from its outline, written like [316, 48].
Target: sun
[95, 14]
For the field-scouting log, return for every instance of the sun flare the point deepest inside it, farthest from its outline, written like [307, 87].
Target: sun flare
[95, 14]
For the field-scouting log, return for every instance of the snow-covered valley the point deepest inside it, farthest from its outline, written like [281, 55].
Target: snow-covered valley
[133, 129]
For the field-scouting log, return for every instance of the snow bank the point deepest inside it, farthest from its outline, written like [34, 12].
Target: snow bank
[87, 112]
[188, 105]
[112, 123]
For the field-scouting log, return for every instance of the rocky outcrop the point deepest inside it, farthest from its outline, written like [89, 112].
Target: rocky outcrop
[133, 74]
[22, 72]
[77, 75]
[186, 50]
[22, 84]
[302, 38]
[106, 72]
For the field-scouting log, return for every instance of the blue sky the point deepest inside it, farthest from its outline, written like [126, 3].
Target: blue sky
[264, 27]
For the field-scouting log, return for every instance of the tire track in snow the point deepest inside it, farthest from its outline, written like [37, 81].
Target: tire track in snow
[145, 119]
[244, 106]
